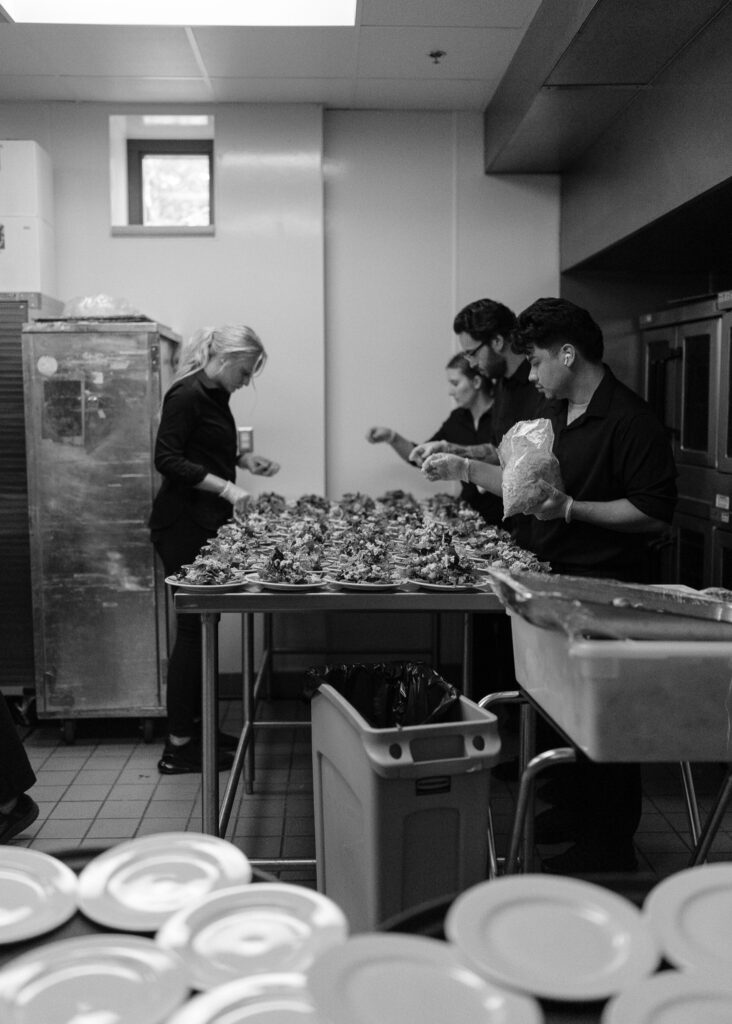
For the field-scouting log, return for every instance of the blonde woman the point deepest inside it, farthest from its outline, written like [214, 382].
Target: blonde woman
[196, 454]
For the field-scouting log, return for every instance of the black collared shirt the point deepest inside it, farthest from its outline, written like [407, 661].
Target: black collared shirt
[615, 449]
[516, 399]
[196, 436]
[460, 428]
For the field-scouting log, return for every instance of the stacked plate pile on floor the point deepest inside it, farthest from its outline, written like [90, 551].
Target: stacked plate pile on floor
[170, 929]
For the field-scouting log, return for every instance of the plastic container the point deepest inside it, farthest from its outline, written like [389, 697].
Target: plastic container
[401, 815]
[630, 700]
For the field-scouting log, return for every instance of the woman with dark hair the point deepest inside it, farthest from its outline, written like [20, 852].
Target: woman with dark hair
[196, 454]
[469, 424]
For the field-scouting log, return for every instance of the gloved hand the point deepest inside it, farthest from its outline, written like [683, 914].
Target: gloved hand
[421, 451]
[442, 466]
[555, 505]
[258, 465]
[236, 496]
[377, 435]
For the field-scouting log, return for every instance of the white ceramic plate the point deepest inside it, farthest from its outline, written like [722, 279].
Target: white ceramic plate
[246, 930]
[445, 587]
[275, 585]
[137, 885]
[99, 979]
[672, 997]
[37, 893]
[206, 588]
[262, 999]
[690, 913]
[400, 979]
[558, 938]
[352, 585]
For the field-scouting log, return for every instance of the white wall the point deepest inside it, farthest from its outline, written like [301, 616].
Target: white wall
[414, 231]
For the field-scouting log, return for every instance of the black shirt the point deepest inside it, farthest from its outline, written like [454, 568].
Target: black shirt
[615, 449]
[459, 428]
[516, 399]
[196, 436]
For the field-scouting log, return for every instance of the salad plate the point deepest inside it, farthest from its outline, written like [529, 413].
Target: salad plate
[554, 937]
[690, 914]
[451, 588]
[98, 979]
[207, 588]
[318, 584]
[365, 585]
[261, 999]
[394, 979]
[252, 930]
[37, 893]
[137, 885]
[672, 997]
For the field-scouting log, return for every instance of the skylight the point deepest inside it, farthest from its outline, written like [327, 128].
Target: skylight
[183, 12]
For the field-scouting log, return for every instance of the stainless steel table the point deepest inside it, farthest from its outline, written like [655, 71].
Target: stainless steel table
[253, 601]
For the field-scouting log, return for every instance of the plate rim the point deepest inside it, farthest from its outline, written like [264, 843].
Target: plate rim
[277, 585]
[434, 952]
[36, 925]
[171, 581]
[647, 992]
[497, 892]
[666, 898]
[124, 918]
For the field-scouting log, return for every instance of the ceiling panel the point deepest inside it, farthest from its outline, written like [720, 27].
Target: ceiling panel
[269, 53]
[33, 88]
[95, 50]
[404, 53]
[335, 92]
[112, 89]
[411, 94]
[467, 13]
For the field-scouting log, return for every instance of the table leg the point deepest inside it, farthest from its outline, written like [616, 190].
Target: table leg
[468, 655]
[248, 701]
[209, 723]
[701, 850]
[561, 755]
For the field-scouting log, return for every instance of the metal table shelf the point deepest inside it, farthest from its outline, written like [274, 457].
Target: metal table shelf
[248, 603]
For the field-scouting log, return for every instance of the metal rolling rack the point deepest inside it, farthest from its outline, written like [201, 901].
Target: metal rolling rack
[247, 603]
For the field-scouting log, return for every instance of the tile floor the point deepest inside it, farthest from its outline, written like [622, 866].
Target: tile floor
[105, 788]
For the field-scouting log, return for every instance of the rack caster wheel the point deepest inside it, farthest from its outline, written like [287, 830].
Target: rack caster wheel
[68, 731]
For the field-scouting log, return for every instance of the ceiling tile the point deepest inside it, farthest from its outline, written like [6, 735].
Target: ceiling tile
[95, 50]
[404, 53]
[22, 88]
[467, 13]
[411, 94]
[330, 92]
[111, 89]
[269, 53]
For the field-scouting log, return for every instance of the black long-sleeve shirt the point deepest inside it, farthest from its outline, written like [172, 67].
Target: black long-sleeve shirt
[196, 436]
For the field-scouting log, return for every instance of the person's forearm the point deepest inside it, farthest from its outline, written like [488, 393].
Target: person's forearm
[211, 483]
[485, 475]
[481, 452]
[401, 446]
[620, 515]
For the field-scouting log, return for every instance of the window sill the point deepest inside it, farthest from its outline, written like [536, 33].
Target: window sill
[169, 231]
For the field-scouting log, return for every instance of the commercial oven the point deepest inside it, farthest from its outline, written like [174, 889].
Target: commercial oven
[688, 382]
[92, 394]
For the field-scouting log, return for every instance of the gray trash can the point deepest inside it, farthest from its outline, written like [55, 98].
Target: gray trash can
[401, 814]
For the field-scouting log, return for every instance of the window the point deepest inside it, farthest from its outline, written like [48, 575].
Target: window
[162, 174]
[170, 183]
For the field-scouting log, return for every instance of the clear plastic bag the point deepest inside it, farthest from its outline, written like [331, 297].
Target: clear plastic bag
[98, 306]
[530, 469]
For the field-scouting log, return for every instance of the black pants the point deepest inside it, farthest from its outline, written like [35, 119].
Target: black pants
[178, 545]
[16, 774]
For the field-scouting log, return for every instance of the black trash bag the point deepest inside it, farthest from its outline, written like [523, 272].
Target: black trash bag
[391, 694]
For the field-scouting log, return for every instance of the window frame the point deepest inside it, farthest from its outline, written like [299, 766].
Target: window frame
[137, 149]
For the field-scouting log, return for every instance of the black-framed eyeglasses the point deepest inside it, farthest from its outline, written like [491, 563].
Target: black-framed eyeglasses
[470, 353]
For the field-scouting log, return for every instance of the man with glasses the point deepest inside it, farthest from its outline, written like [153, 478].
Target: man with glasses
[484, 329]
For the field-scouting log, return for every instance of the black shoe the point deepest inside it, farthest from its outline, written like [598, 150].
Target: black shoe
[556, 825]
[22, 815]
[186, 759]
[586, 859]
